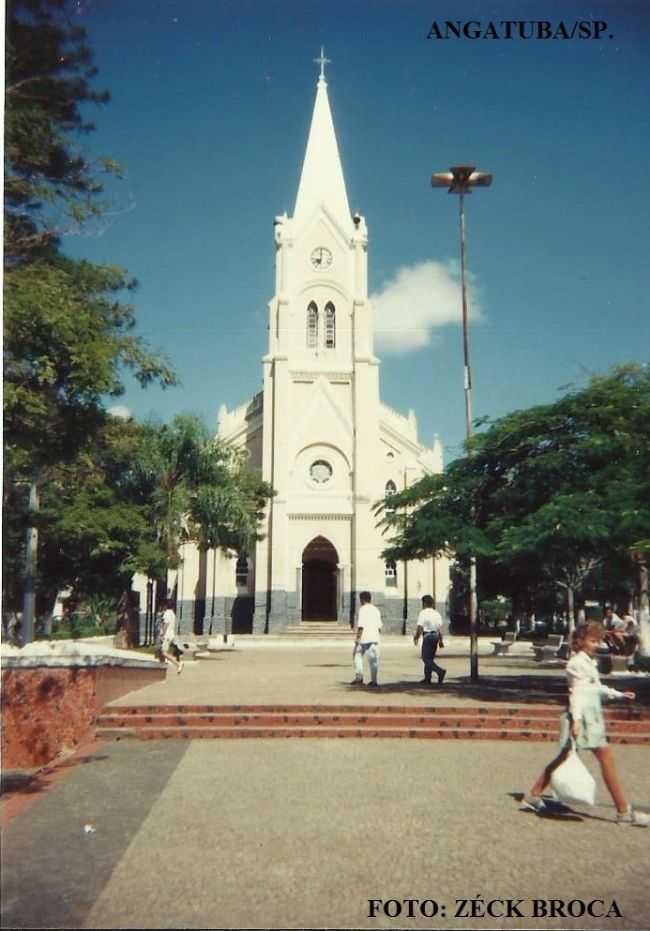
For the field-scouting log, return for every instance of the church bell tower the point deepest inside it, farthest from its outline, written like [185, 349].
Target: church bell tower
[321, 400]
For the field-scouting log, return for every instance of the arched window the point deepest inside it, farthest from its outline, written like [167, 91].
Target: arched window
[312, 326]
[330, 326]
[391, 489]
[390, 574]
[241, 572]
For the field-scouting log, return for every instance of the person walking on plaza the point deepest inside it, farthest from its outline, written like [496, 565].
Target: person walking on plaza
[167, 634]
[366, 641]
[430, 629]
[584, 725]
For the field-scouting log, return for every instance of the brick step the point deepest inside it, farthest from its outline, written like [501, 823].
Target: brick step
[551, 710]
[369, 731]
[358, 719]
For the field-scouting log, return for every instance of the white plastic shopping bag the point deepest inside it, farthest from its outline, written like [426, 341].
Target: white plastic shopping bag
[572, 781]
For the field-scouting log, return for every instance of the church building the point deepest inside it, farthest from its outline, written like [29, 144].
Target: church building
[320, 435]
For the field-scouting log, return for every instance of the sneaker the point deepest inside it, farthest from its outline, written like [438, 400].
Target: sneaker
[372, 685]
[425, 682]
[532, 803]
[635, 818]
[357, 682]
[441, 676]
[181, 666]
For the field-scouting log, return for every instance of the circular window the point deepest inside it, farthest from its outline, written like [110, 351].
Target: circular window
[320, 471]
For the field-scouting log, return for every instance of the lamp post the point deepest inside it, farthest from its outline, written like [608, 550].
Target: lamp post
[460, 179]
[405, 610]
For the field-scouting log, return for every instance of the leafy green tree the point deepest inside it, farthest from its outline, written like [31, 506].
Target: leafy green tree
[172, 461]
[94, 523]
[68, 340]
[551, 492]
[50, 185]
[68, 332]
[68, 336]
[200, 488]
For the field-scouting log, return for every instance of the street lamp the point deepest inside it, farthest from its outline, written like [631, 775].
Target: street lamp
[460, 179]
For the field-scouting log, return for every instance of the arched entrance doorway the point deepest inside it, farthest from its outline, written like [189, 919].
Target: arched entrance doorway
[319, 581]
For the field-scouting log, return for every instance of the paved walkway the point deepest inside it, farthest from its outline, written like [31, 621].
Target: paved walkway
[281, 671]
[301, 834]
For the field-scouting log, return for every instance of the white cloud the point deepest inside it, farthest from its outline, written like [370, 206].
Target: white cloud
[418, 300]
[120, 411]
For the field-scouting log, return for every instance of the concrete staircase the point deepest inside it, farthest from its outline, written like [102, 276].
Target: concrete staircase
[532, 722]
[316, 630]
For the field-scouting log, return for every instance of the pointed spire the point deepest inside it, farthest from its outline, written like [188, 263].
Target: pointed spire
[321, 181]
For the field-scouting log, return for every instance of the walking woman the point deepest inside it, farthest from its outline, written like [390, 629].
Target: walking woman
[584, 722]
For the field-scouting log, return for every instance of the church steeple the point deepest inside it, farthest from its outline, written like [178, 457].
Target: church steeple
[321, 181]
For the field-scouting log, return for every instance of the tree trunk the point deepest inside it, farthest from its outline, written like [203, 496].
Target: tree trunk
[644, 609]
[31, 559]
[570, 604]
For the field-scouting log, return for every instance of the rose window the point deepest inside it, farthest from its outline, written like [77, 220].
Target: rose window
[320, 471]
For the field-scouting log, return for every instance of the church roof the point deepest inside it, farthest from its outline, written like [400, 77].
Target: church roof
[321, 181]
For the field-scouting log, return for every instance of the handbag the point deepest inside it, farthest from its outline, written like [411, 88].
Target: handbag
[572, 781]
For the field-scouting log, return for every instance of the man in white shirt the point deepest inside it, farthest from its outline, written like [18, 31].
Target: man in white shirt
[614, 635]
[167, 634]
[366, 641]
[430, 628]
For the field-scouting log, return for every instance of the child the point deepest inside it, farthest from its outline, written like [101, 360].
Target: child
[585, 723]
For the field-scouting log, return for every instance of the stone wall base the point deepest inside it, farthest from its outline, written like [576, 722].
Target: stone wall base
[272, 612]
[51, 710]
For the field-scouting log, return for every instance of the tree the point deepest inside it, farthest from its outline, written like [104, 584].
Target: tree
[67, 335]
[553, 491]
[94, 524]
[200, 488]
[50, 185]
[68, 340]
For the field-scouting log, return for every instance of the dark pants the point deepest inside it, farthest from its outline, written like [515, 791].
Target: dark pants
[429, 649]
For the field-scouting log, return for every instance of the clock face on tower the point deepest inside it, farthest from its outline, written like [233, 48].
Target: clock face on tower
[321, 257]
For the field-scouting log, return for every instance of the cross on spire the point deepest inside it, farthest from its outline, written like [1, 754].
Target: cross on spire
[322, 61]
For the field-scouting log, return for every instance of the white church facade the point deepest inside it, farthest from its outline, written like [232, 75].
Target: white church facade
[319, 434]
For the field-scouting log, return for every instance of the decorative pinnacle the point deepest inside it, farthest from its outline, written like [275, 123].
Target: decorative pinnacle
[322, 61]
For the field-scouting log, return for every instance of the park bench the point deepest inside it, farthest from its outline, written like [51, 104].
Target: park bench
[619, 662]
[551, 648]
[210, 646]
[501, 647]
[612, 662]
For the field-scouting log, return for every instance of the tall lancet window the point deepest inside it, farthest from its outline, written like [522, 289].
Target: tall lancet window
[330, 326]
[312, 326]
[391, 489]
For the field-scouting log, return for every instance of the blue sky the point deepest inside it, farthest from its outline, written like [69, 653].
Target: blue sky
[211, 103]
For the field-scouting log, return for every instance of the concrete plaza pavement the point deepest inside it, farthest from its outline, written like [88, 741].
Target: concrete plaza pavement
[263, 670]
[302, 833]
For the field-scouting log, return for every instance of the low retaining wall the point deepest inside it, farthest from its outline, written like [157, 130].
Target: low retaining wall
[50, 704]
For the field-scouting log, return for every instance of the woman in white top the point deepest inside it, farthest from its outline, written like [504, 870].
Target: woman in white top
[584, 725]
